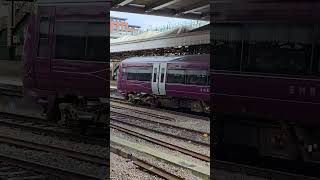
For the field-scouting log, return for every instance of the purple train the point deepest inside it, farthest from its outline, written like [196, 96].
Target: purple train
[265, 71]
[66, 65]
[170, 81]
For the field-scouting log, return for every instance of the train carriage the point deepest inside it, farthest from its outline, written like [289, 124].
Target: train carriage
[66, 58]
[265, 71]
[171, 81]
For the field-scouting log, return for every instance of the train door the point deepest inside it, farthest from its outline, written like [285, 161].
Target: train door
[158, 78]
[162, 79]
[44, 44]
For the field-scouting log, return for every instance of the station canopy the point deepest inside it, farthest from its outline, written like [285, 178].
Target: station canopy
[188, 9]
[181, 36]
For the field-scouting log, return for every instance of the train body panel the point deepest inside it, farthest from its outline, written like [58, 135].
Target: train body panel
[57, 64]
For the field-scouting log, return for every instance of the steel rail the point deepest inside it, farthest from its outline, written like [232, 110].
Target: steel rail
[256, 171]
[162, 143]
[163, 133]
[99, 160]
[47, 169]
[41, 126]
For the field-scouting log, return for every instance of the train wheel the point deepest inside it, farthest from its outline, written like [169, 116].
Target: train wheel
[69, 116]
[54, 114]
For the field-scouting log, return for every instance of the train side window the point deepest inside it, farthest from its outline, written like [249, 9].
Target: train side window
[278, 49]
[139, 74]
[123, 73]
[197, 77]
[43, 46]
[226, 55]
[144, 75]
[132, 76]
[226, 44]
[70, 40]
[97, 42]
[176, 76]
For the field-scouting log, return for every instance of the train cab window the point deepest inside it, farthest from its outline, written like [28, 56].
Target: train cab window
[43, 46]
[97, 42]
[81, 41]
[196, 77]
[70, 40]
[176, 76]
[278, 49]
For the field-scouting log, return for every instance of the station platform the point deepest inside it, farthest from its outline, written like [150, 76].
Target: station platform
[10, 84]
[11, 75]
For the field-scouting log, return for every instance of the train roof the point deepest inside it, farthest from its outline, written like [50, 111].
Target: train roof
[203, 58]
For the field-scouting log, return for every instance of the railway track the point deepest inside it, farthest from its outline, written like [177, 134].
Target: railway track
[38, 125]
[223, 168]
[48, 170]
[189, 135]
[175, 112]
[11, 171]
[161, 143]
[146, 166]
[146, 113]
[56, 171]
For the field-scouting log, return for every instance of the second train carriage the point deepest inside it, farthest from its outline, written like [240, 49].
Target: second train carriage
[170, 81]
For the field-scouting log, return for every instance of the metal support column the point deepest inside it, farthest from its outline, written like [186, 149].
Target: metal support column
[10, 26]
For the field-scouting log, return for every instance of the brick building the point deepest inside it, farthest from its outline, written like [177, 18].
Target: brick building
[121, 25]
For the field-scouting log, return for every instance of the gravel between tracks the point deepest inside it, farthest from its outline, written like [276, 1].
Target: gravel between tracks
[124, 169]
[196, 148]
[157, 147]
[182, 121]
[181, 172]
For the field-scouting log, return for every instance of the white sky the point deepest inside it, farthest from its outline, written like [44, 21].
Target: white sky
[146, 21]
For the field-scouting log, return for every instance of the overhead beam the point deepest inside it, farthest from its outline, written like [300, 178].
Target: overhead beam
[123, 3]
[194, 8]
[160, 5]
[163, 12]
[118, 3]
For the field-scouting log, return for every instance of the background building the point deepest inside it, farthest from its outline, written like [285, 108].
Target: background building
[121, 25]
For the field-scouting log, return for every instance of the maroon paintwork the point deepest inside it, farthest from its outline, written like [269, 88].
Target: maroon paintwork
[46, 77]
[268, 96]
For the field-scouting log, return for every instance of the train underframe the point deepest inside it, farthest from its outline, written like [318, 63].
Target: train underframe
[197, 106]
[251, 140]
[79, 113]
